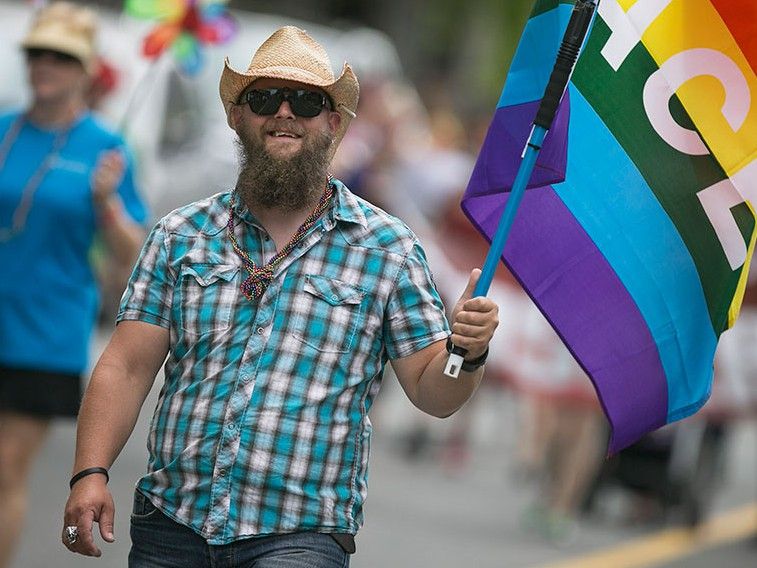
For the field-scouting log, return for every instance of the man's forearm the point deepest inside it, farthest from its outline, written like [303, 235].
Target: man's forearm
[439, 395]
[108, 413]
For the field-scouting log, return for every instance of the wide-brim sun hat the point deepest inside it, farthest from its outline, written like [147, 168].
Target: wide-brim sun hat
[66, 28]
[291, 54]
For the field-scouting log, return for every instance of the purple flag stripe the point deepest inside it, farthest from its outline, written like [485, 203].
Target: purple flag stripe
[573, 278]
[500, 153]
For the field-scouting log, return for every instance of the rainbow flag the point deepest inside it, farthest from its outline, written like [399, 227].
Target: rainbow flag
[634, 234]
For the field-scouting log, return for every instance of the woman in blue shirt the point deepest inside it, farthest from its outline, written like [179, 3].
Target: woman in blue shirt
[63, 178]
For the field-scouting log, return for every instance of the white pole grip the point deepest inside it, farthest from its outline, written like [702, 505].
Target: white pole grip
[454, 363]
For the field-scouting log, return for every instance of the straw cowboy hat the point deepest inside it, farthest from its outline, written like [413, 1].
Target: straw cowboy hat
[293, 55]
[66, 28]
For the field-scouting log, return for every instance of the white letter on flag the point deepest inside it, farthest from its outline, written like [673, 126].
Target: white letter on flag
[717, 201]
[627, 27]
[682, 67]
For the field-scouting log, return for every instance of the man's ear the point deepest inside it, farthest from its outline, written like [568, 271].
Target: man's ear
[235, 116]
[335, 120]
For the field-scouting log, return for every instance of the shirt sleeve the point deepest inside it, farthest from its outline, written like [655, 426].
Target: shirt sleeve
[414, 314]
[149, 293]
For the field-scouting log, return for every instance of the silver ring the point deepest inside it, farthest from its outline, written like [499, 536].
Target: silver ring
[72, 534]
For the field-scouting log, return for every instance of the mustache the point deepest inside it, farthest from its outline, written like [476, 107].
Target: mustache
[284, 125]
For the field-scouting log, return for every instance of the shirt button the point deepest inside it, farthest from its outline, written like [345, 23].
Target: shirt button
[232, 427]
[260, 331]
[221, 472]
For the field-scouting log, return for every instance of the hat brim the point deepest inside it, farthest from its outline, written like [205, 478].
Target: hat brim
[344, 92]
[70, 46]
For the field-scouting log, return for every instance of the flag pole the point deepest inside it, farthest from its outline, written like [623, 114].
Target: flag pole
[573, 39]
[138, 95]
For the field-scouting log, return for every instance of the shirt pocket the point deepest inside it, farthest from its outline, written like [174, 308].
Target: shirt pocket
[329, 314]
[207, 294]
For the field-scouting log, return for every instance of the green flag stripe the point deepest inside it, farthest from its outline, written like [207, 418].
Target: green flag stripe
[674, 177]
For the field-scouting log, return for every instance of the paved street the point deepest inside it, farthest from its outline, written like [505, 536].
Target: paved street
[418, 514]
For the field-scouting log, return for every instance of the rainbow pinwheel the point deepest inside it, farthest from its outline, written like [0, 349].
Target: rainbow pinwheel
[184, 26]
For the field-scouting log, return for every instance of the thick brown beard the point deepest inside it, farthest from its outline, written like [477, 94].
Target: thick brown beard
[291, 184]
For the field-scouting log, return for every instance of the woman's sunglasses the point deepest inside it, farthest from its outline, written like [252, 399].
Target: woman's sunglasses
[34, 53]
[303, 103]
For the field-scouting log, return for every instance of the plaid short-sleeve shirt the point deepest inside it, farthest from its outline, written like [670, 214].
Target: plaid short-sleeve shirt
[262, 424]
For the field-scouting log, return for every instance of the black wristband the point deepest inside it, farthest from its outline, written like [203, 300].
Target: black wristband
[469, 366]
[86, 472]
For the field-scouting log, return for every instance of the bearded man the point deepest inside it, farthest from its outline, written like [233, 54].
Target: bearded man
[278, 304]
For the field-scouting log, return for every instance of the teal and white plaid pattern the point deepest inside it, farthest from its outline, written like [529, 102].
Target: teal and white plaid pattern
[262, 424]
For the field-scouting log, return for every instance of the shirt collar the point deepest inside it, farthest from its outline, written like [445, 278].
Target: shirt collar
[346, 206]
[240, 208]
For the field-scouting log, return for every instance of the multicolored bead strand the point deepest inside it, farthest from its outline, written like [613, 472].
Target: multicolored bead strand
[261, 276]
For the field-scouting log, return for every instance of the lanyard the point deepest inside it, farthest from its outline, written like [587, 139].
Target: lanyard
[21, 212]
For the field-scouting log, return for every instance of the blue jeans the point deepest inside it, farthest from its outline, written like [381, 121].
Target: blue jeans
[160, 542]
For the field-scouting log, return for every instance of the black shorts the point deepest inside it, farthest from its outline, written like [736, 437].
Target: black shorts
[40, 393]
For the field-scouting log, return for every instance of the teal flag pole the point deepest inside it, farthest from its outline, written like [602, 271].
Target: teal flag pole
[573, 39]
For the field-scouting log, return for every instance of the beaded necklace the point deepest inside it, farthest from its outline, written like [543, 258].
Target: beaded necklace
[261, 276]
[21, 212]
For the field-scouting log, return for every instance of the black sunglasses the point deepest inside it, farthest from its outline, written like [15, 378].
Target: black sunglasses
[304, 103]
[33, 53]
